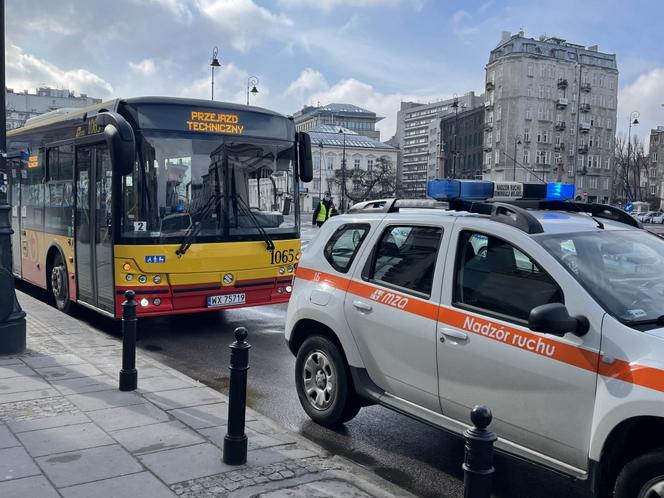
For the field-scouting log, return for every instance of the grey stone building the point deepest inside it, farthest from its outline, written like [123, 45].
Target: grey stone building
[420, 155]
[655, 187]
[348, 116]
[551, 114]
[23, 105]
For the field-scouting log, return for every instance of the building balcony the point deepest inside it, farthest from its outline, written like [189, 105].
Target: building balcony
[585, 87]
[488, 105]
[559, 147]
[562, 103]
[583, 149]
[488, 126]
[490, 86]
[560, 125]
[584, 107]
[584, 127]
[562, 83]
[488, 148]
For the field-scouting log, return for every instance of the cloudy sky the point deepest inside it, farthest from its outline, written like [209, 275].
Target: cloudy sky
[373, 53]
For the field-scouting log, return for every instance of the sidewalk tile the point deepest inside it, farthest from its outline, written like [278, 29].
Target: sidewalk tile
[20, 385]
[186, 463]
[16, 463]
[7, 440]
[144, 371]
[10, 361]
[48, 422]
[104, 399]
[143, 484]
[8, 371]
[163, 383]
[53, 361]
[164, 436]
[85, 384]
[200, 417]
[124, 417]
[62, 439]
[68, 372]
[28, 487]
[88, 465]
[182, 398]
[27, 396]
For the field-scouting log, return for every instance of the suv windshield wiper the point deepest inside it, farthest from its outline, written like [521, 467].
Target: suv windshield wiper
[212, 203]
[269, 244]
[647, 321]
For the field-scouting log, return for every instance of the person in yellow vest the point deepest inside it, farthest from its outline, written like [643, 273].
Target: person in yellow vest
[324, 210]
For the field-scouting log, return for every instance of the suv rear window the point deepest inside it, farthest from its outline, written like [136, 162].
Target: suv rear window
[405, 258]
[342, 247]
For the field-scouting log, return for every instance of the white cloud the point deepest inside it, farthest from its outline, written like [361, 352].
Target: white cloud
[328, 5]
[245, 22]
[312, 87]
[146, 67]
[645, 95]
[25, 71]
[182, 9]
[230, 85]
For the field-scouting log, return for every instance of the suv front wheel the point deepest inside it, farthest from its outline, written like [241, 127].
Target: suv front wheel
[323, 384]
[643, 477]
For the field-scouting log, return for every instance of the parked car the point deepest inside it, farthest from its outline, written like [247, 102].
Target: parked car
[657, 217]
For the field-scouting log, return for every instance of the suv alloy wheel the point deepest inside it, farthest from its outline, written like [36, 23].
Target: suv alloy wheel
[323, 382]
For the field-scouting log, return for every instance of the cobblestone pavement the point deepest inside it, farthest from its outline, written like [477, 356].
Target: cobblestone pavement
[67, 431]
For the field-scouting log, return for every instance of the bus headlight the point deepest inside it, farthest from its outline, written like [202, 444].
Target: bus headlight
[289, 288]
[142, 279]
[156, 301]
[129, 277]
[144, 302]
[280, 290]
[157, 279]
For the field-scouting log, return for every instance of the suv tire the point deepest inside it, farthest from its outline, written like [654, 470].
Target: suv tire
[642, 477]
[323, 382]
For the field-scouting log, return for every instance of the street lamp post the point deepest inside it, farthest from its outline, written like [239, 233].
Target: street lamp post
[213, 65]
[455, 105]
[343, 172]
[517, 141]
[252, 81]
[12, 317]
[633, 120]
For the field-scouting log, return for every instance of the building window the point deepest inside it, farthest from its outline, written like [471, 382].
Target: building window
[370, 163]
[592, 181]
[654, 156]
[526, 157]
[531, 70]
[330, 163]
[526, 135]
[356, 164]
[606, 183]
[528, 116]
[607, 164]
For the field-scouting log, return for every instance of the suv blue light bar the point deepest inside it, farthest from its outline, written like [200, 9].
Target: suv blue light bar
[472, 190]
[560, 191]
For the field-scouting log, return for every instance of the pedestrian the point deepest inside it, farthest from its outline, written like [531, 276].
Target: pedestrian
[323, 211]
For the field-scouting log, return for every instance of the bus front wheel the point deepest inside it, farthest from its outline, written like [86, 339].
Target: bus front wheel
[59, 283]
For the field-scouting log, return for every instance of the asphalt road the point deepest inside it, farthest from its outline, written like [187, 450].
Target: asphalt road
[421, 459]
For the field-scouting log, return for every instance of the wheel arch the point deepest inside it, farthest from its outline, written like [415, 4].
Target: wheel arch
[630, 438]
[53, 250]
[306, 327]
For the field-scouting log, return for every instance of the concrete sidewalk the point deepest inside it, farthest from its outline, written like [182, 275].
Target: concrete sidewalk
[66, 430]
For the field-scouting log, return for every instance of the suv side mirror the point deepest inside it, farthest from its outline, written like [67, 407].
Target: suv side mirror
[554, 319]
[305, 161]
[120, 139]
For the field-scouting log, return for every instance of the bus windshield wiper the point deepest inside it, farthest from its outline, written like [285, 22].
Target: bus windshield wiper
[212, 203]
[269, 244]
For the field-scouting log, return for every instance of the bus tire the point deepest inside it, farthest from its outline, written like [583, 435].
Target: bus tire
[58, 283]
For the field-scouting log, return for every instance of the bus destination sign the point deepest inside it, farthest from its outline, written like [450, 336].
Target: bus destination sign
[215, 122]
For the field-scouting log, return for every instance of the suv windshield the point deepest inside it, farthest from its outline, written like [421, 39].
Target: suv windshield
[181, 181]
[621, 269]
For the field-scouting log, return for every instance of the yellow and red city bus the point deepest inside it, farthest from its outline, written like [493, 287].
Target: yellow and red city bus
[192, 204]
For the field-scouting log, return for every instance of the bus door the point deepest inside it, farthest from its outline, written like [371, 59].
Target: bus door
[94, 248]
[14, 199]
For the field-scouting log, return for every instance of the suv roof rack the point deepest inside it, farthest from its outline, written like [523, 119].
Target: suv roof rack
[511, 212]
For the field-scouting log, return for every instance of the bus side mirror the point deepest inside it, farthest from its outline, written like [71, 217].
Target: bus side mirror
[305, 161]
[120, 140]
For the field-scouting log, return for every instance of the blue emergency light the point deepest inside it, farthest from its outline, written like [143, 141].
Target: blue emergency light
[560, 191]
[472, 190]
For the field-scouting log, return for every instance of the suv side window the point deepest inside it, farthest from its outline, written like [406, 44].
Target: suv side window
[405, 257]
[495, 276]
[342, 247]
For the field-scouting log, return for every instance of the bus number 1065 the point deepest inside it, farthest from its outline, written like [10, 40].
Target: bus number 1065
[285, 256]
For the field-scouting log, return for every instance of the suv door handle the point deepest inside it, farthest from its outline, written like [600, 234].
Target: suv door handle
[454, 333]
[362, 306]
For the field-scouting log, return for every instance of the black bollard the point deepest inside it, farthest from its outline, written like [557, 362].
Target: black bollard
[128, 374]
[235, 441]
[478, 455]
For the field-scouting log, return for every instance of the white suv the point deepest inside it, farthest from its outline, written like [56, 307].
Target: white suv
[549, 312]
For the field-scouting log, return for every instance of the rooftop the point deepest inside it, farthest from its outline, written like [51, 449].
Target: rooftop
[339, 109]
[331, 136]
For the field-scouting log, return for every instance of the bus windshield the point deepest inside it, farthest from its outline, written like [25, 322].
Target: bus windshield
[223, 186]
